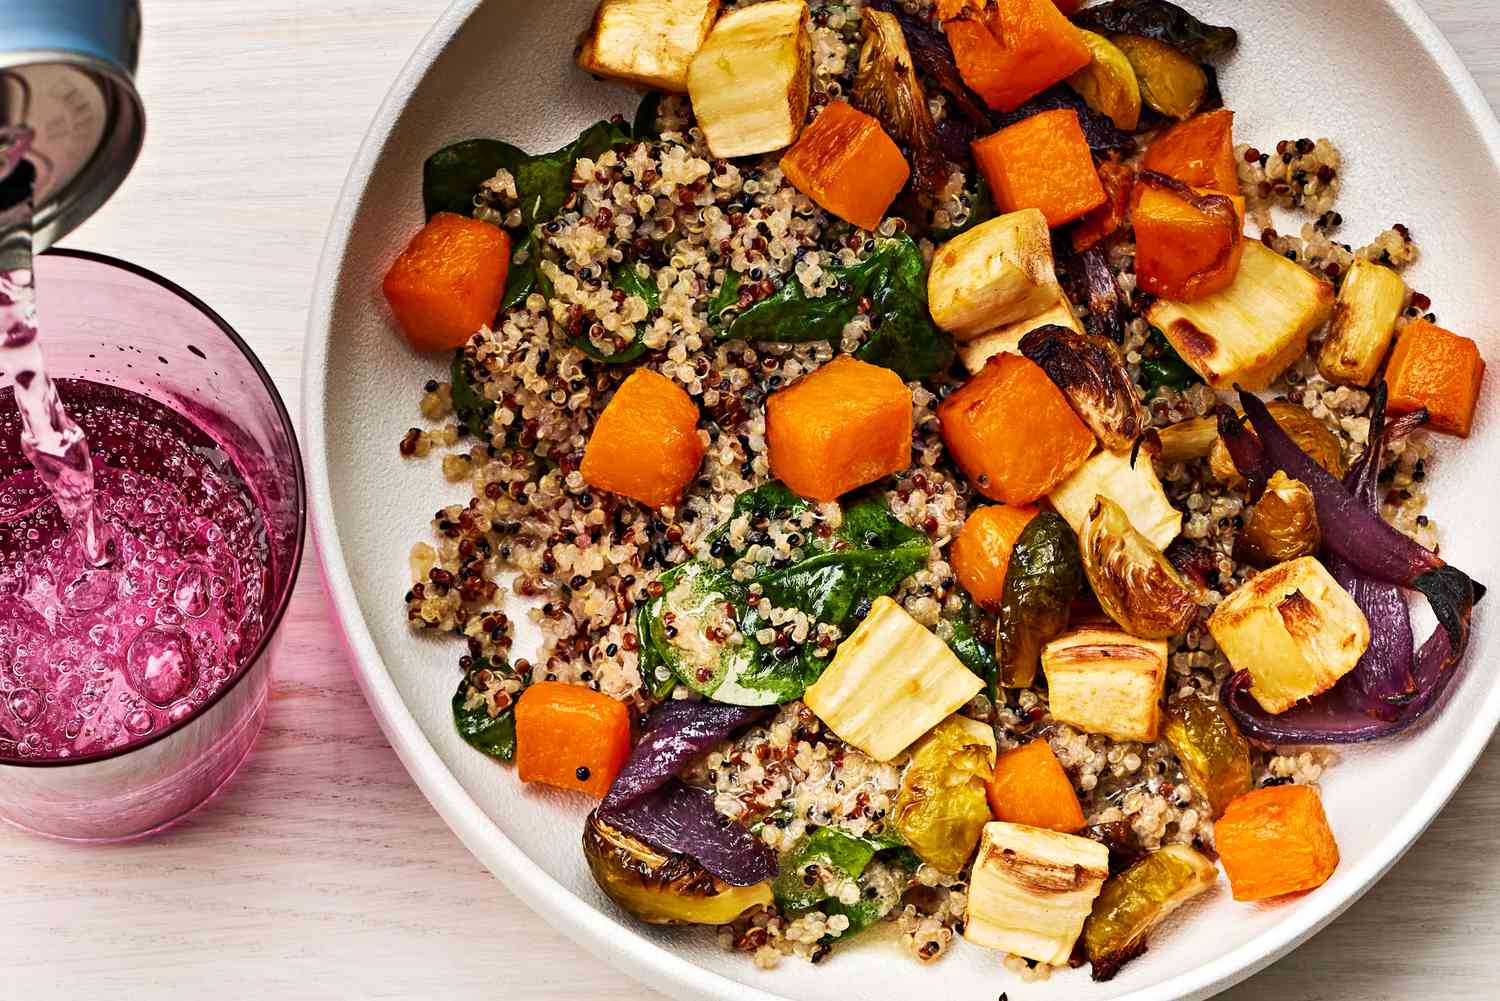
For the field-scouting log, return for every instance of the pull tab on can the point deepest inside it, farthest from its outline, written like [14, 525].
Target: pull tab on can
[67, 72]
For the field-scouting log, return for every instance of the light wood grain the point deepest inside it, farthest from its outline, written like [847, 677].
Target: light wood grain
[321, 872]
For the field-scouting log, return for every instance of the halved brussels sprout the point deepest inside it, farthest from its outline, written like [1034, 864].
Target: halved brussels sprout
[1137, 900]
[1170, 82]
[1135, 583]
[1282, 526]
[886, 86]
[1188, 440]
[662, 889]
[1310, 434]
[941, 808]
[1214, 756]
[1041, 581]
[1091, 374]
[1108, 84]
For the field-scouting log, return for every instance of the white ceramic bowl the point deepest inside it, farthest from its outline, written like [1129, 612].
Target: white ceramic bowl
[1421, 147]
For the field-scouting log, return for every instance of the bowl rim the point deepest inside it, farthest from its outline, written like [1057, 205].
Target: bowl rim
[655, 965]
[299, 475]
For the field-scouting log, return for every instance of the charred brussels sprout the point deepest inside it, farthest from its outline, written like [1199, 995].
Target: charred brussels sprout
[1310, 434]
[1137, 900]
[886, 86]
[662, 889]
[1092, 376]
[1171, 83]
[1215, 757]
[1282, 526]
[1135, 583]
[1042, 580]
[1163, 21]
[941, 808]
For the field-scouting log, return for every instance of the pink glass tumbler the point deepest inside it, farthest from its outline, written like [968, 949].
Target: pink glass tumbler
[109, 322]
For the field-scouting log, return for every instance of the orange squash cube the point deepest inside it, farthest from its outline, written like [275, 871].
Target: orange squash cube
[571, 737]
[845, 425]
[1108, 219]
[1009, 51]
[1437, 369]
[645, 444]
[981, 554]
[846, 163]
[1276, 841]
[1199, 152]
[449, 281]
[1042, 162]
[1012, 431]
[1182, 252]
[1030, 787]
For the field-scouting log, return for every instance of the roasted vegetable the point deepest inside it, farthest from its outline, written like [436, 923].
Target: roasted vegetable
[1438, 371]
[846, 163]
[1137, 900]
[1276, 841]
[1281, 526]
[1171, 83]
[662, 888]
[1189, 243]
[1163, 368]
[1101, 134]
[981, 553]
[1198, 152]
[941, 808]
[645, 444]
[1031, 891]
[976, 353]
[1294, 629]
[1092, 376]
[840, 427]
[1108, 83]
[1214, 756]
[1135, 584]
[1364, 321]
[991, 423]
[1042, 162]
[829, 855]
[448, 282]
[1189, 440]
[1102, 680]
[571, 737]
[1041, 583]
[886, 86]
[484, 712]
[1108, 219]
[889, 683]
[1311, 435]
[647, 42]
[1160, 20]
[1130, 481]
[997, 273]
[1031, 788]
[1011, 50]
[1249, 333]
[749, 82]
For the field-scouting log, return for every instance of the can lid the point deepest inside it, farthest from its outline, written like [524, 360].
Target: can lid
[66, 70]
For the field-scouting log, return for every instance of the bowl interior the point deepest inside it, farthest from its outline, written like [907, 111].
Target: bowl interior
[1372, 76]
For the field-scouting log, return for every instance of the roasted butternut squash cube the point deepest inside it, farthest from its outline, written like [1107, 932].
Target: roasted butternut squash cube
[1042, 162]
[649, 43]
[1009, 51]
[845, 425]
[749, 82]
[846, 163]
[1199, 152]
[1252, 331]
[1437, 369]
[981, 554]
[1103, 680]
[448, 282]
[993, 423]
[1030, 787]
[1182, 251]
[1295, 629]
[645, 444]
[1276, 841]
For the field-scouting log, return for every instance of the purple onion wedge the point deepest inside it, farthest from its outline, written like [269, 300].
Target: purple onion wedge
[648, 801]
[1360, 536]
[1248, 454]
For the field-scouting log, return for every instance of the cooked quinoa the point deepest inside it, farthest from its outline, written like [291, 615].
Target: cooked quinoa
[536, 541]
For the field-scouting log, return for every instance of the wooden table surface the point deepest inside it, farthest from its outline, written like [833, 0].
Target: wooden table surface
[321, 872]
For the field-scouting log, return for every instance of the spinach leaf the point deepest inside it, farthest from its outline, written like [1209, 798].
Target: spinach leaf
[890, 281]
[494, 735]
[1164, 369]
[769, 500]
[727, 297]
[525, 275]
[451, 177]
[624, 278]
[1158, 19]
[967, 643]
[850, 856]
[469, 405]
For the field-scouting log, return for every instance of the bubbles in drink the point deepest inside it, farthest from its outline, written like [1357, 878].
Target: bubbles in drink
[191, 594]
[161, 665]
[26, 704]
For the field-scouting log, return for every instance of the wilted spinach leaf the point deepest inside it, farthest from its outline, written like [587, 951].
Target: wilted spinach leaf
[624, 278]
[727, 297]
[469, 405]
[494, 735]
[1164, 367]
[847, 854]
[903, 337]
[1158, 19]
[967, 642]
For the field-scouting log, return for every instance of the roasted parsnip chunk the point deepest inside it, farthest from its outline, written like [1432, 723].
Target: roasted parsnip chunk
[1133, 486]
[1007, 339]
[1249, 333]
[1032, 889]
[1364, 321]
[998, 273]
[1294, 629]
[749, 81]
[649, 43]
[1103, 680]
